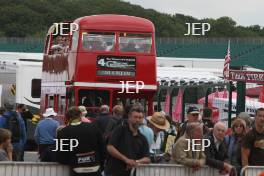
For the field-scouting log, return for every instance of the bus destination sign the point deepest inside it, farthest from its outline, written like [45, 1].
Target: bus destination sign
[115, 73]
[116, 62]
[116, 66]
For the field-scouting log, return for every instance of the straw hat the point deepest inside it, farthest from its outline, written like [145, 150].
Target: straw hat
[159, 121]
[49, 112]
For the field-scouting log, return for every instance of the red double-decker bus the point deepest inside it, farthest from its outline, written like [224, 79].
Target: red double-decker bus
[90, 66]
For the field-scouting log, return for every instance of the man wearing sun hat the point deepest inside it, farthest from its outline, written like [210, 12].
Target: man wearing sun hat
[45, 132]
[158, 123]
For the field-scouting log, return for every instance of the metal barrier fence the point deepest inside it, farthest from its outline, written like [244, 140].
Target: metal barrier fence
[55, 169]
[172, 170]
[33, 169]
[252, 171]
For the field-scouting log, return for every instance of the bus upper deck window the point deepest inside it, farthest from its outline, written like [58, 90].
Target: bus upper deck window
[140, 43]
[98, 41]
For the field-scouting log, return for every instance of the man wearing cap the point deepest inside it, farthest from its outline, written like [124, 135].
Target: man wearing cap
[45, 133]
[193, 115]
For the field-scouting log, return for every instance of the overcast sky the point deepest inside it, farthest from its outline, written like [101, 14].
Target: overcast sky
[244, 12]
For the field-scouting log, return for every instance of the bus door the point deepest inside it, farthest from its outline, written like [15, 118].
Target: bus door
[128, 100]
[92, 99]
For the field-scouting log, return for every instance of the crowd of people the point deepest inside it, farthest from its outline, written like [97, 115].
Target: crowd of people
[115, 142]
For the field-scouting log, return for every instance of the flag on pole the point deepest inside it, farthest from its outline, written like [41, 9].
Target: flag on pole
[177, 110]
[227, 62]
[167, 103]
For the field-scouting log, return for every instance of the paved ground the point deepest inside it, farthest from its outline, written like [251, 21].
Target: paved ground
[31, 156]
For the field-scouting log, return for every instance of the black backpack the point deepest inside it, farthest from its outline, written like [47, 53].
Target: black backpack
[12, 124]
[117, 122]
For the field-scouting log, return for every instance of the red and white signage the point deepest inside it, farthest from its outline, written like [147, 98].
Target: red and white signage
[246, 76]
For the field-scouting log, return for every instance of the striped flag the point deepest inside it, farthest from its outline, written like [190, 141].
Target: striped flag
[216, 94]
[225, 94]
[177, 111]
[227, 62]
[167, 103]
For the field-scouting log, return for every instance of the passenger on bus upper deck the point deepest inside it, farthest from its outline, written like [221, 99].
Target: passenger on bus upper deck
[97, 44]
[129, 47]
[58, 45]
[144, 48]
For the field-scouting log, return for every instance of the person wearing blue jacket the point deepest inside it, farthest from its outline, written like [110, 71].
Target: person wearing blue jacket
[19, 144]
[45, 133]
[2, 118]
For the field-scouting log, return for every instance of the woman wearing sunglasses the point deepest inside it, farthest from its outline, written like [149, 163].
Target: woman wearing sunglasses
[233, 142]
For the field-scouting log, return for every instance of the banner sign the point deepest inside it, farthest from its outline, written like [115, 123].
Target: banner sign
[115, 73]
[116, 62]
[116, 66]
[246, 76]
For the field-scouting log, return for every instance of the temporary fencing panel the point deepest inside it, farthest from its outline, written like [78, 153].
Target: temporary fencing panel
[173, 170]
[33, 169]
[252, 171]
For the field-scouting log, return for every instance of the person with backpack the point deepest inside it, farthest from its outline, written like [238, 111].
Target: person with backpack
[118, 112]
[87, 158]
[233, 142]
[15, 124]
[103, 118]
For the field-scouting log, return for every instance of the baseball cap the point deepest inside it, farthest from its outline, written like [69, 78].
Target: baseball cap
[193, 110]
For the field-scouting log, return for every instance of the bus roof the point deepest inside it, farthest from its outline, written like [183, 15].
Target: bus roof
[110, 22]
